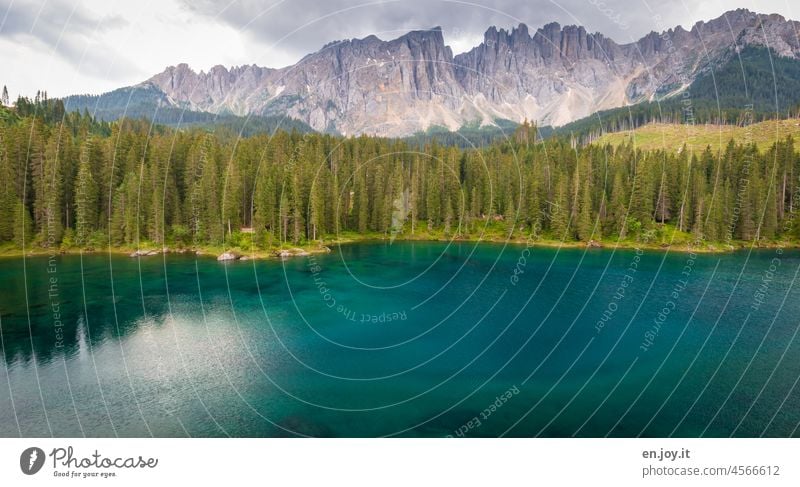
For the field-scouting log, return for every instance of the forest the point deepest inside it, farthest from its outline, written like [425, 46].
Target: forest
[72, 182]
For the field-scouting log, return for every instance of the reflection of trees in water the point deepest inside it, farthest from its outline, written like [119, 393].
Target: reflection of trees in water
[76, 333]
[54, 323]
[138, 296]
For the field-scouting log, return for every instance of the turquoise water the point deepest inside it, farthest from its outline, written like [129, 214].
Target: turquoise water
[407, 339]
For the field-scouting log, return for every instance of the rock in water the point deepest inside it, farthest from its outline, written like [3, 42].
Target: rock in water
[144, 253]
[227, 256]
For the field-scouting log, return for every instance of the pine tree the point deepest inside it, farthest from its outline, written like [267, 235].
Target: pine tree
[585, 221]
[559, 212]
[212, 228]
[533, 206]
[265, 218]
[664, 200]
[696, 196]
[232, 199]
[749, 203]
[116, 228]
[316, 218]
[86, 201]
[23, 226]
[296, 209]
[769, 225]
[51, 228]
[619, 213]
[641, 209]
[338, 205]
[361, 208]
[130, 208]
[510, 214]
[8, 197]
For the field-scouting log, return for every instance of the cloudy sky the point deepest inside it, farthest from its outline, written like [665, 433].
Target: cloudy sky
[94, 46]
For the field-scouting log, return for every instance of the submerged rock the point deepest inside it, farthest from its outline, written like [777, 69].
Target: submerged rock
[144, 253]
[294, 252]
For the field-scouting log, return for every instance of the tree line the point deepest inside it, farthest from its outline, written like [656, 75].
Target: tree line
[77, 182]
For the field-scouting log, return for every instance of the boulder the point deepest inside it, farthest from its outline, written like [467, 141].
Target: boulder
[227, 256]
[294, 252]
[144, 253]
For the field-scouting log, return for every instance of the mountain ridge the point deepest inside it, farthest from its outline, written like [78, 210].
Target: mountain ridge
[405, 85]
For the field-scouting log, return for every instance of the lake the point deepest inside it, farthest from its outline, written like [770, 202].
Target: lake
[403, 339]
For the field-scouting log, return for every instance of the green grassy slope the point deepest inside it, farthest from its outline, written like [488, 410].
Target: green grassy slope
[672, 137]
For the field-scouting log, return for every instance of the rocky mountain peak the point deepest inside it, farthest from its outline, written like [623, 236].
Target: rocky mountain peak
[552, 75]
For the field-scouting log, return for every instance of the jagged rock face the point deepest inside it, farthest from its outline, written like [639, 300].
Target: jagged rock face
[552, 76]
[371, 86]
[218, 90]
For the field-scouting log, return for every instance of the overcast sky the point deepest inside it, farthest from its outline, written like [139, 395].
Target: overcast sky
[94, 46]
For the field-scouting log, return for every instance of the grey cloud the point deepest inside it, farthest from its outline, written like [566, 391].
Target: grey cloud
[279, 32]
[301, 26]
[63, 28]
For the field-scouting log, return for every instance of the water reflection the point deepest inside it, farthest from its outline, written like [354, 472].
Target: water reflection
[74, 306]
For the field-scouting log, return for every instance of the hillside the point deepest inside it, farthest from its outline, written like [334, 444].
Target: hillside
[149, 103]
[755, 84]
[696, 137]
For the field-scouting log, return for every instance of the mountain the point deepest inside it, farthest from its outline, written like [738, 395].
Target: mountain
[754, 85]
[394, 88]
[147, 101]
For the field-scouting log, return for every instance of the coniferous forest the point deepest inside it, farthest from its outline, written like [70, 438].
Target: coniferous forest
[72, 182]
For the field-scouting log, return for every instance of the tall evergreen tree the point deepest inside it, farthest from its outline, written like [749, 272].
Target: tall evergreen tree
[86, 198]
[23, 226]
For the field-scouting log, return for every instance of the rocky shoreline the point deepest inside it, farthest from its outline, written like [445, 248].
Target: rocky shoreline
[232, 255]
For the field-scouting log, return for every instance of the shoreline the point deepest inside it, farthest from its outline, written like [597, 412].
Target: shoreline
[152, 251]
[714, 248]
[323, 247]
